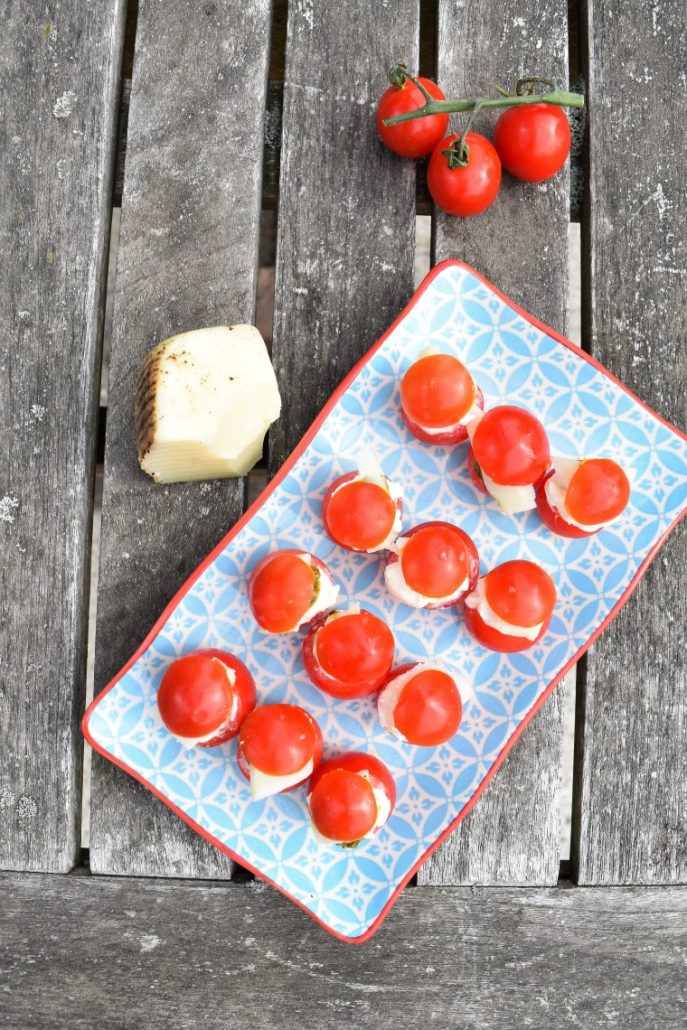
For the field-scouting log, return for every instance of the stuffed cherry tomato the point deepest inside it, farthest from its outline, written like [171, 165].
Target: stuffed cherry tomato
[508, 456]
[362, 510]
[204, 697]
[350, 798]
[435, 566]
[279, 747]
[288, 589]
[533, 141]
[419, 136]
[438, 399]
[581, 496]
[349, 654]
[510, 609]
[422, 704]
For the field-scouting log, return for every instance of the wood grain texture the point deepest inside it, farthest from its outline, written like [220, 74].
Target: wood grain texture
[95, 951]
[59, 75]
[521, 245]
[187, 258]
[346, 205]
[630, 820]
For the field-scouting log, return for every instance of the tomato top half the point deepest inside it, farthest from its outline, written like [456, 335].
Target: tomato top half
[358, 514]
[196, 694]
[282, 588]
[521, 593]
[437, 391]
[598, 491]
[280, 739]
[354, 647]
[511, 446]
[435, 559]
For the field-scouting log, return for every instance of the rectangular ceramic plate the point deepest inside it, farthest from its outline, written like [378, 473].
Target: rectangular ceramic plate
[587, 412]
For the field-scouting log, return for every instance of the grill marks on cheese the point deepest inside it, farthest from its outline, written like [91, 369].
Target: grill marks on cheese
[204, 401]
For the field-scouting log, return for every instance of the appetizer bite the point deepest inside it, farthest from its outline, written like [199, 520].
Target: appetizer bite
[435, 566]
[350, 798]
[349, 654]
[580, 496]
[288, 589]
[278, 748]
[422, 704]
[362, 510]
[508, 456]
[510, 609]
[438, 399]
[203, 698]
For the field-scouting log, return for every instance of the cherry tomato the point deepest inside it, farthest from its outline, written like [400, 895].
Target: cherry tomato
[282, 587]
[437, 391]
[419, 136]
[428, 709]
[469, 190]
[279, 740]
[357, 514]
[349, 654]
[342, 801]
[522, 594]
[510, 446]
[598, 492]
[552, 518]
[436, 557]
[196, 696]
[533, 141]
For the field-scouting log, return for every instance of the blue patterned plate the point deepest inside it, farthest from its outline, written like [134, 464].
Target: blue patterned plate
[587, 412]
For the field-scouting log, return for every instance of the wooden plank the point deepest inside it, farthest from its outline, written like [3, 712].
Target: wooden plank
[59, 80]
[630, 821]
[346, 206]
[521, 245]
[187, 258]
[98, 951]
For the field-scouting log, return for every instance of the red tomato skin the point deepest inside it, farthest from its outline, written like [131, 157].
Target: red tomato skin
[258, 615]
[489, 637]
[473, 562]
[509, 432]
[553, 519]
[419, 136]
[451, 721]
[533, 141]
[316, 756]
[325, 508]
[455, 436]
[173, 706]
[357, 762]
[465, 191]
[341, 688]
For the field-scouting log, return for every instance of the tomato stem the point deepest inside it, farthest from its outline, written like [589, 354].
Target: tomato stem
[559, 97]
[398, 74]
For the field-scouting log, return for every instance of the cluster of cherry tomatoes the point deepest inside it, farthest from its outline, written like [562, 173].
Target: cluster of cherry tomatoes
[531, 141]
[210, 697]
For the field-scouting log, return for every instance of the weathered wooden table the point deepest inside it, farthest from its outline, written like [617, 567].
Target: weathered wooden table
[151, 926]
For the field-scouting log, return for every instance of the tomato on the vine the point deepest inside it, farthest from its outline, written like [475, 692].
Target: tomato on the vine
[418, 136]
[464, 189]
[204, 697]
[351, 797]
[533, 141]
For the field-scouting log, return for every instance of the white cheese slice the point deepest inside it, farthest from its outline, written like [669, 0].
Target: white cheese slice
[262, 785]
[204, 401]
[477, 599]
[398, 588]
[326, 597]
[511, 499]
[556, 487]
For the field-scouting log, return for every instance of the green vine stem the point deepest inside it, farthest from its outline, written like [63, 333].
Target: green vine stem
[522, 94]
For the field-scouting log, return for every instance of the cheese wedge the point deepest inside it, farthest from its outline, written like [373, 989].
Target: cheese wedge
[204, 401]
